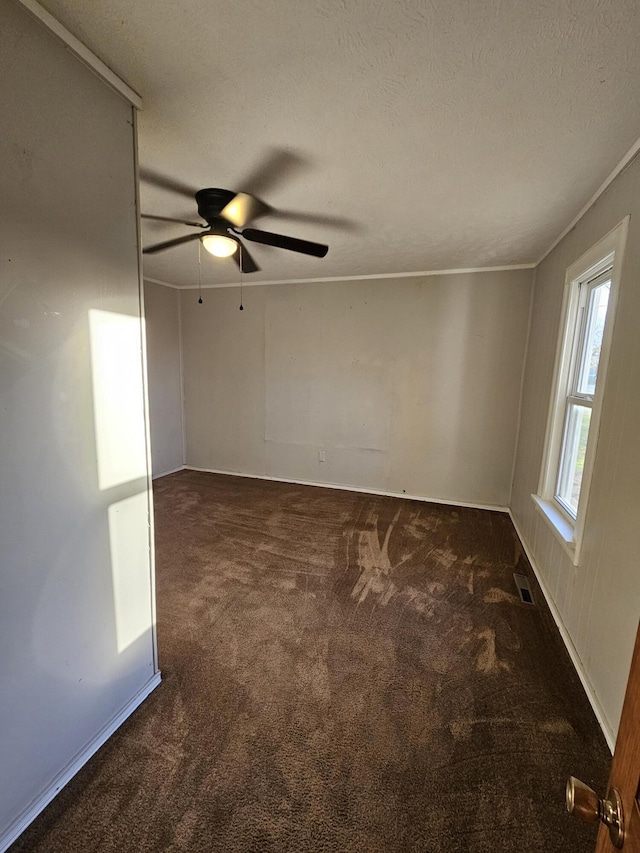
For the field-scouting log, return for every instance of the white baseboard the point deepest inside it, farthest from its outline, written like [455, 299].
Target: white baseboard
[343, 488]
[32, 811]
[607, 731]
[166, 473]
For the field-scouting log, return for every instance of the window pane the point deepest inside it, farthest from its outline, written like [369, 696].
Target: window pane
[574, 446]
[592, 342]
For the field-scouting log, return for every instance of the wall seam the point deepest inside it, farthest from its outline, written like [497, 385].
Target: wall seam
[145, 391]
[181, 365]
[521, 395]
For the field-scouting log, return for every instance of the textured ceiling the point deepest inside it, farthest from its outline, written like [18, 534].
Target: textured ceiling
[422, 134]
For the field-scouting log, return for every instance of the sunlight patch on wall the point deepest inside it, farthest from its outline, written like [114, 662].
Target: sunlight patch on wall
[129, 541]
[118, 397]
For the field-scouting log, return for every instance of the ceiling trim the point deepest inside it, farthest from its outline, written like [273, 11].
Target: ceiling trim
[163, 283]
[631, 154]
[329, 279]
[81, 51]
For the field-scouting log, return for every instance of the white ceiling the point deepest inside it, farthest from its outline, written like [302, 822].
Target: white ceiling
[423, 134]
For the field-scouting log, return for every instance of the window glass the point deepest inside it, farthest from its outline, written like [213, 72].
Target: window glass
[592, 342]
[574, 448]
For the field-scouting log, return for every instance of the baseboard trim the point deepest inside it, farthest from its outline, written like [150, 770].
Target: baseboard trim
[342, 487]
[32, 811]
[166, 473]
[566, 638]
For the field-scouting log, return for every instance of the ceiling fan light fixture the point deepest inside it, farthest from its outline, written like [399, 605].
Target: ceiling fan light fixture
[219, 245]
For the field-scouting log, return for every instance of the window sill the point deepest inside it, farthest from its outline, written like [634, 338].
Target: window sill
[559, 525]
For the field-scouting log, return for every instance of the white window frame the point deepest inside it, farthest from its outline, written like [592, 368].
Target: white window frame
[606, 254]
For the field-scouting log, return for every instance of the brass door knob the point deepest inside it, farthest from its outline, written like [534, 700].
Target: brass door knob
[584, 803]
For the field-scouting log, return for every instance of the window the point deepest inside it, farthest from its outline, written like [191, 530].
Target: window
[581, 363]
[593, 299]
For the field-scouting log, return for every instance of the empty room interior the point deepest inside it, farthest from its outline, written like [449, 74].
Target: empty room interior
[319, 418]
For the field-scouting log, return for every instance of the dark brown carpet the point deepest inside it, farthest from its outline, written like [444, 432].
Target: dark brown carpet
[342, 672]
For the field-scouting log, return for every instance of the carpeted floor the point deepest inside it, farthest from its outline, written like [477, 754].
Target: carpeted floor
[341, 672]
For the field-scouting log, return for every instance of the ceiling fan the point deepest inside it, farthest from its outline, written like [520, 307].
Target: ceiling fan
[226, 214]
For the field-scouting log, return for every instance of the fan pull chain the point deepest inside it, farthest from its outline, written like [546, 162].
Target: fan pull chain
[241, 265]
[199, 277]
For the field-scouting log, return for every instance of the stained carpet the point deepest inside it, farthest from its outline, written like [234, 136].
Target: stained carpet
[341, 672]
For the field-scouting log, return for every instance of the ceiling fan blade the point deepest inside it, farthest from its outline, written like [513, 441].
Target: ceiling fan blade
[318, 250]
[161, 181]
[171, 219]
[324, 219]
[244, 260]
[275, 167]
[243, 208]
[160, 247]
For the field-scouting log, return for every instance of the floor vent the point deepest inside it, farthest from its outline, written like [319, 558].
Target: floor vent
[522, 582]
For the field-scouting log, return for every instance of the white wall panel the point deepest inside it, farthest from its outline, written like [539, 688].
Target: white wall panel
[74, 509]
[599, 600]
[407, 385]
[164, 365]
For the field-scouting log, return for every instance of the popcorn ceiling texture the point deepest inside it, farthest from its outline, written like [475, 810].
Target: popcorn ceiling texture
[342, 673]
[441, 134]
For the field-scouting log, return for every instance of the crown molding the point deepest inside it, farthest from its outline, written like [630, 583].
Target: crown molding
[81, 51]
[337, 278]
[631, 154]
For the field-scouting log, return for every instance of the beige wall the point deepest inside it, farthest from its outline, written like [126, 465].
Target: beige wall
[76, 602]
[164, 364]
[407, 386]
[598, 601]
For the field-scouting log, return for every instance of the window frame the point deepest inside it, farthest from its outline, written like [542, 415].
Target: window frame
[606, 254]
[573, 397]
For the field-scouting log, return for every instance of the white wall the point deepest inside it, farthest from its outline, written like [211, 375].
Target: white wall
[76, 608]
[409, 385]
[599, 600]
[164, 365]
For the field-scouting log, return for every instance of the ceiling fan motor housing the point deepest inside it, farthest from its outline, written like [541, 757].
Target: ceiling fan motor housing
[211, 201]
